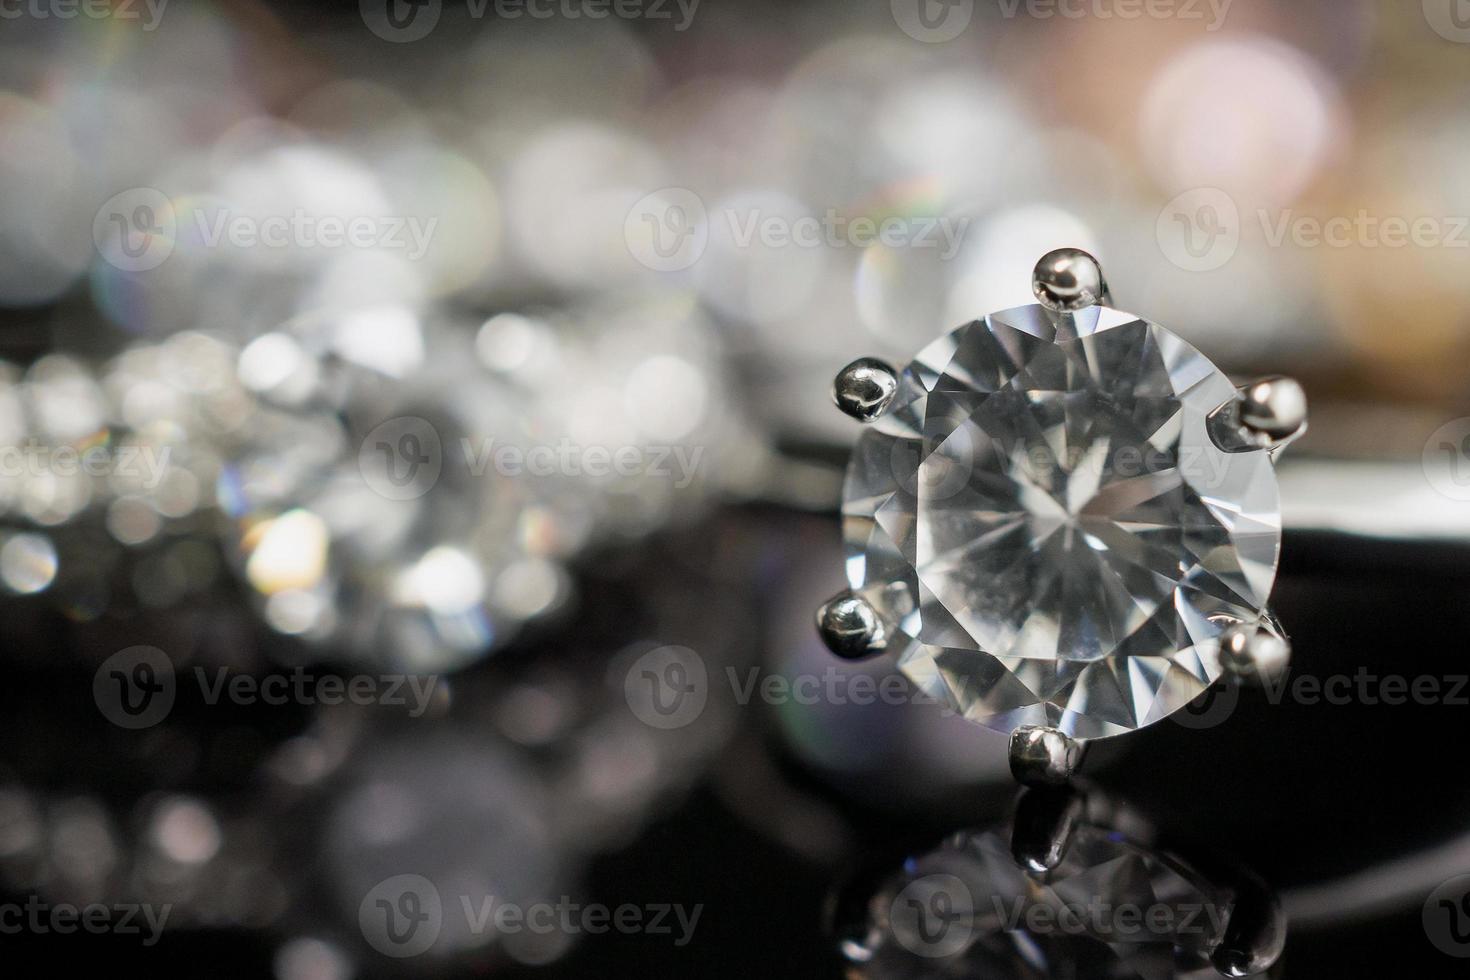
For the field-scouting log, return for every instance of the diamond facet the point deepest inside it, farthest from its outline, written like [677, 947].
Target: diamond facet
[1045, 523]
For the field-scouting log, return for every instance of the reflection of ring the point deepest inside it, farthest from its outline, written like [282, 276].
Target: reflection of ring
[1063, 520]
[1080, 881]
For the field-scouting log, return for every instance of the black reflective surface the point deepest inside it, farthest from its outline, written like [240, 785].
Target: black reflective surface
[767, 821]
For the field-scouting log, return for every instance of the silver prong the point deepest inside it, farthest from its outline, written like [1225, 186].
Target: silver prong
[851, 627]
[1042, 828]
[1042, 756]
[1273, 410]
[1268, 413]
[865, 388]
[1069, 279]
[1255, 933]
[1254, 653]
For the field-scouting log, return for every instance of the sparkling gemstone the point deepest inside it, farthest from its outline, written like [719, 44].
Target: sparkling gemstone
[1046, 523]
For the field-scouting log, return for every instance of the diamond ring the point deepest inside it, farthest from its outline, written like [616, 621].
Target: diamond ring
[1062, 520]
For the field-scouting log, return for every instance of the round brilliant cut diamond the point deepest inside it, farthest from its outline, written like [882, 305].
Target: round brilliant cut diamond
[1045, 521]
